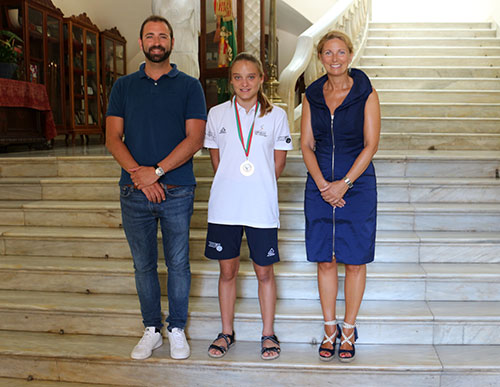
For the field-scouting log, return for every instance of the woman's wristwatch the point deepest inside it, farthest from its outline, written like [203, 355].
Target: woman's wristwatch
[348, 182]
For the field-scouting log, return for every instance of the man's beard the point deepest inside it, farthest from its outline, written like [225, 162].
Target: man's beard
[157, 58]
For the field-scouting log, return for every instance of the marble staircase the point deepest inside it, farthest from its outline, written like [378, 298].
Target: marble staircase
[431, 315]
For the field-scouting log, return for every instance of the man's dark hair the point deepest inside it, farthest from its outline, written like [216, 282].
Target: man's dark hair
[156, 18]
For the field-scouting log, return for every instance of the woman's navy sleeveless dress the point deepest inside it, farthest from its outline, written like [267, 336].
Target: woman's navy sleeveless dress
[348, 232]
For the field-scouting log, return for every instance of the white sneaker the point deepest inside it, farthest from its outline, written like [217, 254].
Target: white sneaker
[179, 347]
[150, 341]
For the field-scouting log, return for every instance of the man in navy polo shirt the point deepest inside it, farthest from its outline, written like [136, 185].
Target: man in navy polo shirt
[155, 123]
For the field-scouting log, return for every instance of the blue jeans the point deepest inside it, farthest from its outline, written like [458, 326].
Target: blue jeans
[140, 222]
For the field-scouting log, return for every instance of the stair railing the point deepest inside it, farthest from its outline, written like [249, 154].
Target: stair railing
[350, 16]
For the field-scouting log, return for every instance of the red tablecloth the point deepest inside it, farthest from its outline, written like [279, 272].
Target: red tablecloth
[28, 95]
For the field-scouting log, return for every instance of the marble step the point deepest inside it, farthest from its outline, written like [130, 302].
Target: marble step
[428, 25]
[429, 71]
[421, 60]
[388, 163]
[432, 41]
[294, 280]
[430, 51]
[441, 125]
[410, 322]
[391, 246]
[440, 188]
[464, 96]
[440, 141]
[428, 216]
[105, 359]
[440, 109]
[12, 382]
[436, 83]
[432, 32]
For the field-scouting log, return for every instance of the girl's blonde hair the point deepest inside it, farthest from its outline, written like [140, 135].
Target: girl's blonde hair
[335, 35]
[265, 105]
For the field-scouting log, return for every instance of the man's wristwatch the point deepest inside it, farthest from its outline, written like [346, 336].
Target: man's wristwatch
[159, 171]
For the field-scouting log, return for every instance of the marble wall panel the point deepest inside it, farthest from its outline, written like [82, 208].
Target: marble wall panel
[460, 253]
[69, 282]
[477, 193]
[43, 167]
[12, 217]
[74, 323]
[396, 252]
[73, 167]
[70, 218]
[460, 290]
[20, 191]
[457, 222]
[90, 191]
[68, 247]
[453, 169]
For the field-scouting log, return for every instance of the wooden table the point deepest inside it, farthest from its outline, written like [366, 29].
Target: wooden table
[25, 113]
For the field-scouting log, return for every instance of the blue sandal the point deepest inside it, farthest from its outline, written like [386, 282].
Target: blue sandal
[229, 342]
[345, 339]
[329, 339]
[264, 350]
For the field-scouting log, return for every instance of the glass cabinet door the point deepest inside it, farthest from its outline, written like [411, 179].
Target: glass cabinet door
[109, 67]
[54, 68]
[91, 78]
[36, 51]
[120, 60]
[78, 76]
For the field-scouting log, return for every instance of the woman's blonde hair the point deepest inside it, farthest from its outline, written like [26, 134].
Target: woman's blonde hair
[335, 35]
[265, 104]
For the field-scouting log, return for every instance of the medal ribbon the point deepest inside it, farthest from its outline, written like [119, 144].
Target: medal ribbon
[246, 148]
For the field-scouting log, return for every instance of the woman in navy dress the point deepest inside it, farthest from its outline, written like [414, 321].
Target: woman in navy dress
[340, 132]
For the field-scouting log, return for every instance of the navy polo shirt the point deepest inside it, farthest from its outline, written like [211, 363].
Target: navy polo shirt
[155, 114]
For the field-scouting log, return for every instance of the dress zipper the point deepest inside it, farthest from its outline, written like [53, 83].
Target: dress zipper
[333, 176]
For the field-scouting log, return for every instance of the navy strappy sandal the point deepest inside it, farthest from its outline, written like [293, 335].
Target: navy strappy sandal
[329, 339]
[264, 350]
[347, 339]
[229, 339]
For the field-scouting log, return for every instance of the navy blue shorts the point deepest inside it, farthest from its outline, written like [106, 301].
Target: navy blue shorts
[224, 242]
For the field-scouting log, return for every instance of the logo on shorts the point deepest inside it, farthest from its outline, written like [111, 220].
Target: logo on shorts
[271, 253]
[215, 245]
[222, 131]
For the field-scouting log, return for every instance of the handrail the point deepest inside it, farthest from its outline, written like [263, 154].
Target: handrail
[350, 16]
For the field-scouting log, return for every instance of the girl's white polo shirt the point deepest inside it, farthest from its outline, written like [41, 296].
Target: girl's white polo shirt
[245, 200]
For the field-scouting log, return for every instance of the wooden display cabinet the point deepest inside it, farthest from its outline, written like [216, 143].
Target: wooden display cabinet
[113, 63]
[83, 95]
[43, 48]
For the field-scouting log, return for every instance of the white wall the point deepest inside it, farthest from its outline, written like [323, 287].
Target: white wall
[496, 16]
[311, 10]
[435, 10]
[126, 15]
[286, 48]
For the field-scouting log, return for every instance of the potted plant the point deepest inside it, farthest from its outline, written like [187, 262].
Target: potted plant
[9, 53]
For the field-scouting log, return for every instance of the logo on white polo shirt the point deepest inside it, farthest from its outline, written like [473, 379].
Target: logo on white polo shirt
[222, 131]
[211, 134]
[261, 132]
[215, 245]
[286, 139]
[271, 253]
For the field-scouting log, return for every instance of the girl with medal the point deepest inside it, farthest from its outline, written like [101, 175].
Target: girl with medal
[248, 139]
